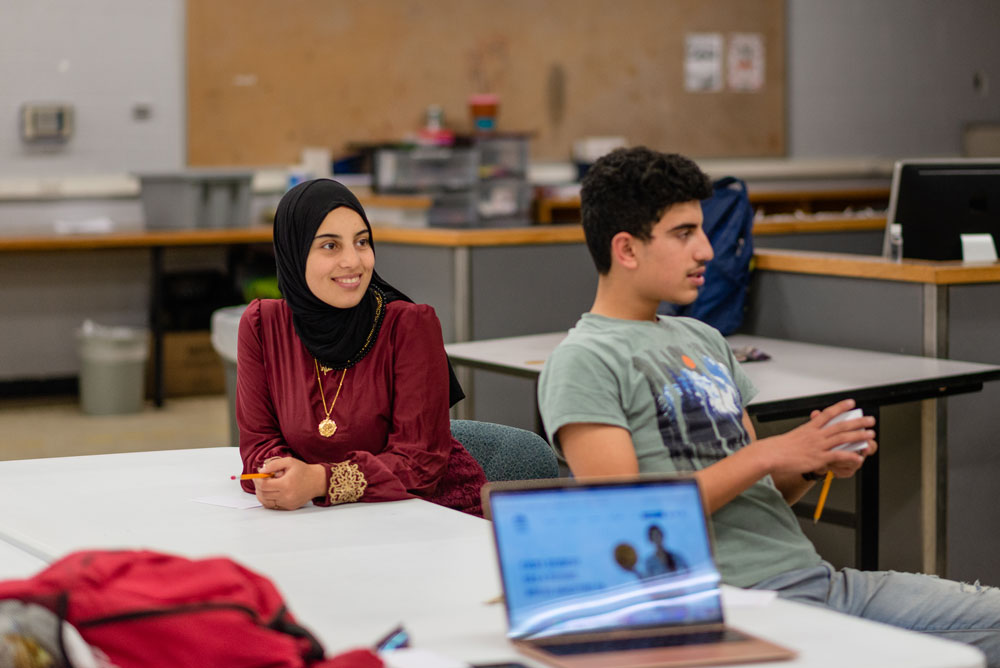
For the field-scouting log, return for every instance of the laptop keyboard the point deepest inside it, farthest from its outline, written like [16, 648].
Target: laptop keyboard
[624, 644]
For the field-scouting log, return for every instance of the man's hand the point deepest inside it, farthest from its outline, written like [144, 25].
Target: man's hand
[846, 469]
[809, 447]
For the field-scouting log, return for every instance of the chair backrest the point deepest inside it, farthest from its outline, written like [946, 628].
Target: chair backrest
[506, 453]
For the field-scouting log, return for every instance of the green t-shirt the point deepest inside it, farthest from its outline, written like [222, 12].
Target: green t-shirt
[676, 387]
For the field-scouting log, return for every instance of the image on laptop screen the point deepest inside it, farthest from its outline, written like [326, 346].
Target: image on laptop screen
[589, 558]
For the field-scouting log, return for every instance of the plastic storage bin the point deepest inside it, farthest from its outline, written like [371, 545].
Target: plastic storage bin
[196, 198]
[225, 333]
[112, 369]
[504, 199]
[457, 209]
[503, 156]
[425, 169]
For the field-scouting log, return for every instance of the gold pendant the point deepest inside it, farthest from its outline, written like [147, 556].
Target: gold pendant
[327, 427]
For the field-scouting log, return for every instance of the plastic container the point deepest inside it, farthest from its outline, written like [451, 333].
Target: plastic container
[225, 333]
[503, 155]
[484, 108]
[457, 209]
[196, 198]
[112, 369]
[504, 198]
[425, 169]
[896, 242]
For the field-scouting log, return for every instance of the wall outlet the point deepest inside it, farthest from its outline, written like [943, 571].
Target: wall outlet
[46, 122]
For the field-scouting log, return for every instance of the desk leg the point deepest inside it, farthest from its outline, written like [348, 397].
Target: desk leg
[156, 321]
[934, 484]
[462, 305]
[934, 437]
[867, 508]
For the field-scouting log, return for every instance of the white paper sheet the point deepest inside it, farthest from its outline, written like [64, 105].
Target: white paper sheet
[703, 62]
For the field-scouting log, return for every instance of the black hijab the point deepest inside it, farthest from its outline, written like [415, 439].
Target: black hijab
[338, 338]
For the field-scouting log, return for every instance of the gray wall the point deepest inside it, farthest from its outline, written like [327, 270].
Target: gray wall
[889, 78]
[103, 57]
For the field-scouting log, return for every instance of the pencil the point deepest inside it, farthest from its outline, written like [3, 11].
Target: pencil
[251, 476]
[822, 496]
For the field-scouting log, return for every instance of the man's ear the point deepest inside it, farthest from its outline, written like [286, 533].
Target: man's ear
[623, 250]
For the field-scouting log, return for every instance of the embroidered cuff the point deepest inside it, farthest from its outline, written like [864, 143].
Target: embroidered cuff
[347, 483]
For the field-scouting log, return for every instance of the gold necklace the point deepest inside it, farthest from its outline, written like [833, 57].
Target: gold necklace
[327, 427]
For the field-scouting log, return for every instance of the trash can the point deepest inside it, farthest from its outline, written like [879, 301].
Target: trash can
[225, 332]
[112, 368]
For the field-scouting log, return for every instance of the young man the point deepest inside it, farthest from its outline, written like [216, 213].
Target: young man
[629, 391]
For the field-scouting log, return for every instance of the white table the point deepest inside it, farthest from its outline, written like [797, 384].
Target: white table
[351, 573]
[801, 377]
[16, 562]
[144, 499]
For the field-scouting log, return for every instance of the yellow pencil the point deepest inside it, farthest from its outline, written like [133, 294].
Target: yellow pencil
[822, 496]
[251, 476]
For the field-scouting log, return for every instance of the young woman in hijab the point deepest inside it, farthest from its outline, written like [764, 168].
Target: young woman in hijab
[343, 386]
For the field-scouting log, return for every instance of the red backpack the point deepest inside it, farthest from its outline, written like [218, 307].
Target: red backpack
[145, 609]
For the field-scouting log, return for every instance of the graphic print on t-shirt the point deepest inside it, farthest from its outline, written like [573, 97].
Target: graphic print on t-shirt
[698, 406]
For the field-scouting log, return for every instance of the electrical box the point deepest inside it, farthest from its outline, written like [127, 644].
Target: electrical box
[46, 122]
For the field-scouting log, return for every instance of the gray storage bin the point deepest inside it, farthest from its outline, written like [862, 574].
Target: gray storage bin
[504, 199]
[112, 369]
[457, 209]
[503, 156]
[425, 169]
[196, 198]
[225, 334]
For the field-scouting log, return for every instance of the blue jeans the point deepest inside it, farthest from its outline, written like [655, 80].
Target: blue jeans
[968, 613]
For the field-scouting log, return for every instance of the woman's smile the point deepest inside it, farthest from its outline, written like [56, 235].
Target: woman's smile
[341, 260]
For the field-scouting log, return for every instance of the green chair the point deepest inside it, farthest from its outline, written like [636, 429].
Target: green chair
[506, 453]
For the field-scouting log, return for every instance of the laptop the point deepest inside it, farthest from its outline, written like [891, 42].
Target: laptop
[613, 572]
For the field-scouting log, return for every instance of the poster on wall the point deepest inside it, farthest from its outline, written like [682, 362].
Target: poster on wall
[746, 62]
[703, 62]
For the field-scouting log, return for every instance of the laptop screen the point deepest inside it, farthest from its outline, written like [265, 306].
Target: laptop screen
[602, 556]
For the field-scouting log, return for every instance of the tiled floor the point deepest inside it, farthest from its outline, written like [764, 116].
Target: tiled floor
[56, 427]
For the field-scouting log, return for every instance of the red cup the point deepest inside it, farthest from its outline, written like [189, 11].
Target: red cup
[484, 108]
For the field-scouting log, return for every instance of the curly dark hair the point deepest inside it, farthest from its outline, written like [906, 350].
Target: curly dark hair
[629, 190]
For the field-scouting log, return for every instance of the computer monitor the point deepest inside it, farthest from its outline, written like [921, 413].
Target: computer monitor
[936, 201]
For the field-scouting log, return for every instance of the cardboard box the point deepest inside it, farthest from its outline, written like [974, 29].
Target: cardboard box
[191, 366]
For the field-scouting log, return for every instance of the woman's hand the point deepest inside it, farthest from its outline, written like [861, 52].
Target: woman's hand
[293, 485]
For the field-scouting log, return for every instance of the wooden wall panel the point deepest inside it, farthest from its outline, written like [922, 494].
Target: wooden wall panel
[268, 77]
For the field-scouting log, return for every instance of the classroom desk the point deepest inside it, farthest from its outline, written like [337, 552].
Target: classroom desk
[352, 573]
[916, 307]
[474, 278]
[806, 198]
[799, 378]
[156, 242]
[483, 275]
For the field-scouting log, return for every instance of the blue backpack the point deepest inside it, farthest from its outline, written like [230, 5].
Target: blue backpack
[729, 226]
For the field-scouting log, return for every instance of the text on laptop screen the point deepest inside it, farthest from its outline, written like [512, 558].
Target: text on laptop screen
[600, 557]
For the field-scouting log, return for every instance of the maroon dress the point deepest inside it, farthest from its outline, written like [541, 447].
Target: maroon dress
[393, 439]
